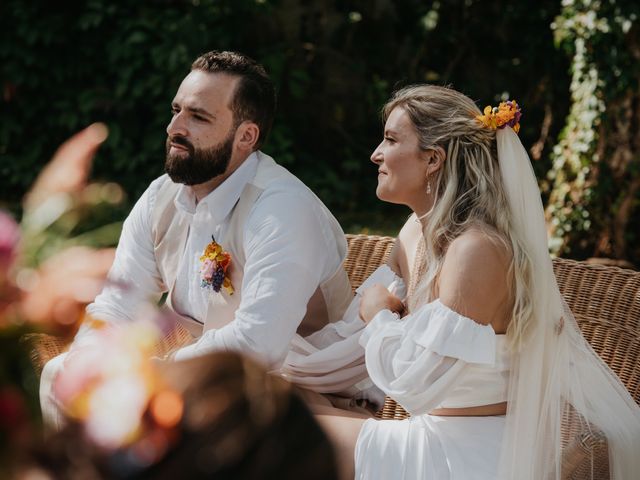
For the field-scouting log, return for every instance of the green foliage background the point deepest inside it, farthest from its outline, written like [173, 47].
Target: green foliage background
[334, 64]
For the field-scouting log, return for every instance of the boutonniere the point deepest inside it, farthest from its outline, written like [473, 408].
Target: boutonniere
[214, 265]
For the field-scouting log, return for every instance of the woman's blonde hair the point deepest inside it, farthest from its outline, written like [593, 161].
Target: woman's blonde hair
[469, 191]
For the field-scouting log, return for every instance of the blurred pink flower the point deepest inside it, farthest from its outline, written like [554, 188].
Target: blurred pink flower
[9, 237]
[207, 269]
[109, 380]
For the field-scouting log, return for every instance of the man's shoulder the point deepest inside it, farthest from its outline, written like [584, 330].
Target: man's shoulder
[274, 179]
[269, 173]
[284, 200]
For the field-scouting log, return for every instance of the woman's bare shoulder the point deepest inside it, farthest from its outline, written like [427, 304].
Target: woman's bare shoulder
[474, 280]
[477, 245]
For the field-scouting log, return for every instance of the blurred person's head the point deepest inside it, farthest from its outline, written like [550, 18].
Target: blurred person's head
[237, 422]
[222, 112]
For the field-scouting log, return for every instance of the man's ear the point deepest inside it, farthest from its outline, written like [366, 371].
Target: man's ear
[247, 136]
[435, 158]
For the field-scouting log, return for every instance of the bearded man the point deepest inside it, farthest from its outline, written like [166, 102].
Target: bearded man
[247, 254]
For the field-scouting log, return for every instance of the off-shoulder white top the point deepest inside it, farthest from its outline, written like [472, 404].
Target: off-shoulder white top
[332, 360]
[436, 358]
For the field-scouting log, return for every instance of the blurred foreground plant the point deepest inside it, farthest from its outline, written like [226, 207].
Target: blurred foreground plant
[48, 273]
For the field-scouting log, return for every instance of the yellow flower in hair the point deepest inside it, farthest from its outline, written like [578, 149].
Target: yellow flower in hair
[505, 114]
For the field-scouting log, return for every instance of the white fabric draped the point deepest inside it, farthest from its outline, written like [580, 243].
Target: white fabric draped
[332, 360]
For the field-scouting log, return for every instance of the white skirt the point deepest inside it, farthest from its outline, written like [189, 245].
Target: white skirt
[427, 447]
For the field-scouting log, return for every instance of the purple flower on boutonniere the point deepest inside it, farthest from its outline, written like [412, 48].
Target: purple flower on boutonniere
[213, 269]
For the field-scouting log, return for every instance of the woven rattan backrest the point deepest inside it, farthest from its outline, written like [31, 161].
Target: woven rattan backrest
[42, 348]
[177, 337]
[606, 304]
[366, 253]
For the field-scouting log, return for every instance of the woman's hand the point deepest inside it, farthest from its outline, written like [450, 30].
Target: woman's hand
[378, 298]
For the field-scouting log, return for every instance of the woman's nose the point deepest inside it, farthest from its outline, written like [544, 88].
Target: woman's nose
[376, 156]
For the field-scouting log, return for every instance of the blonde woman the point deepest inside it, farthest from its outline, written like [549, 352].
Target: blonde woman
[485, 356]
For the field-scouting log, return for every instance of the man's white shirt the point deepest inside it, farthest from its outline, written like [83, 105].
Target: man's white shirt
[289, 249]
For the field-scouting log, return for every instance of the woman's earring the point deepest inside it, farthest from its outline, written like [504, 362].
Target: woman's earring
[428, 187]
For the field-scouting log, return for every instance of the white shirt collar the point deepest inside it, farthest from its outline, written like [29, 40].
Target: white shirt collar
[222, 199]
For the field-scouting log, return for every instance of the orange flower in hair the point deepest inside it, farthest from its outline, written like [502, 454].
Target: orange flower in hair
[506, 114]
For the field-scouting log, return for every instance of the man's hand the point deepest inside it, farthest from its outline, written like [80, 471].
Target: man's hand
[378, 298]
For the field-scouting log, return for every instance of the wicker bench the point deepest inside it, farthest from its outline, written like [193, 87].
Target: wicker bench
[606, 304]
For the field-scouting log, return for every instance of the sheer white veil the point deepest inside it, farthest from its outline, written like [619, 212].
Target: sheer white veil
[556, 372]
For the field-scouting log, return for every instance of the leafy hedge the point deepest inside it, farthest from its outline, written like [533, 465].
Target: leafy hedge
[334, 64]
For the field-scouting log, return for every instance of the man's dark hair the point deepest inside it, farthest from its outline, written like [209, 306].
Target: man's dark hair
[255, 95]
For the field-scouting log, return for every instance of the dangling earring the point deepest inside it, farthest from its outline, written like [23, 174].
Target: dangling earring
[428, 187]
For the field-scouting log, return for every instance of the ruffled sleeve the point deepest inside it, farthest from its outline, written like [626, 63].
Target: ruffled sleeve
[332, 360]
[418, 359]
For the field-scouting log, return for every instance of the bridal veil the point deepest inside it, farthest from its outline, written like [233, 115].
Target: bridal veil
[556, 375]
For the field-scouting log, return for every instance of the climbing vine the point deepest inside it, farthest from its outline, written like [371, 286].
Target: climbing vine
[587, 185]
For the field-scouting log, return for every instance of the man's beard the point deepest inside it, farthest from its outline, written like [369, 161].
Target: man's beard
[198, 165]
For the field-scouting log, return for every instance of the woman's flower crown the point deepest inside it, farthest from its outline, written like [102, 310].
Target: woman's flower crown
[505, 114]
